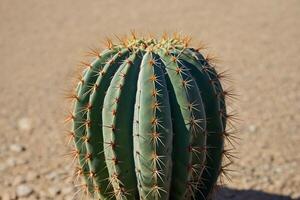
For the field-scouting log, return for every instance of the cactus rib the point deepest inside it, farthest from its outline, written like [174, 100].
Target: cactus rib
[154, 131]
[95, 145]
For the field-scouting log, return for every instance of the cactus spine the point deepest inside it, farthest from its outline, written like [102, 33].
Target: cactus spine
[149, 122]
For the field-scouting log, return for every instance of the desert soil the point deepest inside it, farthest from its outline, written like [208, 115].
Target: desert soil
[41, 43]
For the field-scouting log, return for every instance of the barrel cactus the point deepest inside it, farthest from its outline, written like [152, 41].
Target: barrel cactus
[148, 121]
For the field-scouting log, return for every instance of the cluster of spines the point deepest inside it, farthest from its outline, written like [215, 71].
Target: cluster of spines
[83, 124]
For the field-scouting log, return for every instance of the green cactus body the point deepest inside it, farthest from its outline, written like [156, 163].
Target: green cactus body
[149, 121]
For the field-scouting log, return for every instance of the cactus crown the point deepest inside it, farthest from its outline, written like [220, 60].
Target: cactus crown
[149, 121]
[154, 44]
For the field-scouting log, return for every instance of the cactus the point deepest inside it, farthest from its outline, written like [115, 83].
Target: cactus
[149, 121]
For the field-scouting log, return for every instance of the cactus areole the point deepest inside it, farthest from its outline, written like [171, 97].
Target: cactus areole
[149, 122]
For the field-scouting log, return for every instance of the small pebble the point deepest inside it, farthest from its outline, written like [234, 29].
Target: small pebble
[24, 124]
[11, 162]
[24, 190]
[17, 148]
[252, 128]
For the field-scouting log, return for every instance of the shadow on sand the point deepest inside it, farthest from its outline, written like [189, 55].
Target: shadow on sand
[233, 194]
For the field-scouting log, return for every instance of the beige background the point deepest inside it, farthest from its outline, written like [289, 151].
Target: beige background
[42, 41]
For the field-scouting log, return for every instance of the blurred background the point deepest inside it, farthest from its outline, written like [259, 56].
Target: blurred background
[42, 42]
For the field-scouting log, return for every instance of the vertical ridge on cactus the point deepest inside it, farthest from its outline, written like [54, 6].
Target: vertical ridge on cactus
[149, 119]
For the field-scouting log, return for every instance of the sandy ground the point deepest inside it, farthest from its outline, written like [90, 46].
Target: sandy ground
[42, 41]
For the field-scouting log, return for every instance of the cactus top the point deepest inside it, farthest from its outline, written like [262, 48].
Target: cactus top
[152, 43]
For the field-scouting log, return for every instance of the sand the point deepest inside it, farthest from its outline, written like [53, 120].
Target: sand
[41, 43]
